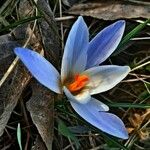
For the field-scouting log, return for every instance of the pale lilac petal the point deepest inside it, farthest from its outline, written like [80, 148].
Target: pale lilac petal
[97, 105]
[40, 68]
[106, 122]
[82, 98]
[75, 53]
[103, 78]
[104, 43]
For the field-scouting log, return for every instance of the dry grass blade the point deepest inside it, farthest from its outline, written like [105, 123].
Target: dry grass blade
[10, 69]
[140, 66]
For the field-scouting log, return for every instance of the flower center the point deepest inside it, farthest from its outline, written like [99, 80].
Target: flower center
[79, 82]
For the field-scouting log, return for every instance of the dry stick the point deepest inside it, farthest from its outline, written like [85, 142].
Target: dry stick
[64, 18]
[129, 141]
[9, 71]
[27, 122]
[61, 25]
[134, 80]
[142, 78]
[145, 125]
[143, 60]
[141, 75]
[140, 38]
[92, 144]
[70, 145]
[14, 63]
[144, 82]
[137, 98]
[140, 21]
[140, 66]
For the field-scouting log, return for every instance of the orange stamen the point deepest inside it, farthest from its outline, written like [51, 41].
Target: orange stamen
[79, 82]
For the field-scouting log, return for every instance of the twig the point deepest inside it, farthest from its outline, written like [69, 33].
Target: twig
[140, 21]
[61, 25]
[140, 66]
[134, 80]
[140, 38]
[64, 18]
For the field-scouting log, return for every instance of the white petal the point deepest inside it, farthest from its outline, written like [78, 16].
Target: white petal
[104, 78]
[83, 97]
[75, 53]
[97, 105]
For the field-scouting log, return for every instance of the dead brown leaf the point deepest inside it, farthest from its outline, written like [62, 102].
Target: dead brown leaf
[71, 2]
[11, 90]
[41, 104]
[137, 120]
[144, 134]
[41, 108]
[49, 33]
[111, 10]
[38, 144]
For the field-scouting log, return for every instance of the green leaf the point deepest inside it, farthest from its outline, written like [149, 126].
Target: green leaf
[113, 142]
[64, 130]
[144, 95]
[15, 24]
[129, 105]
[106, 137]
[148, 68]
[130, 35]
[19, 136]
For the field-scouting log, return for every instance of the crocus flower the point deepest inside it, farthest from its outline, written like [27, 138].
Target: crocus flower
[81, 76]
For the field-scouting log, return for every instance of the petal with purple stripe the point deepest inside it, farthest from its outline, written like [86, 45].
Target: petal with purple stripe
[104, 43]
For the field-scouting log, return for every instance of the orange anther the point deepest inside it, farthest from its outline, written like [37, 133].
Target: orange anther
[79, 82]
